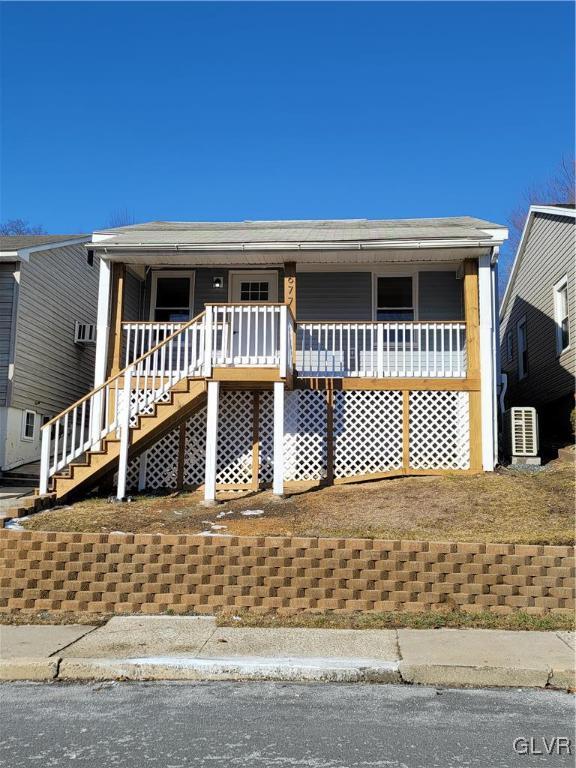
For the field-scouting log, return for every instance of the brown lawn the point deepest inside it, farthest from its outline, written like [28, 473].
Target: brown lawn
[505, 506]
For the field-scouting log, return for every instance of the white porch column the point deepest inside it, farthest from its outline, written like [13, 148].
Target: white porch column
[211, 443]
[487, 361]
[101, 355]
[278, 481]
[124, 436]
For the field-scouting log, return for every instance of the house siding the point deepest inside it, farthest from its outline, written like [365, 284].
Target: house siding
[57, 287]
[7, 306]
[334, 296]
[132, 297]
[548, 256]
[440, 296]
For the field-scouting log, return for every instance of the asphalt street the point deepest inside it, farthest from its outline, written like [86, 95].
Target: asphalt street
[274, 725]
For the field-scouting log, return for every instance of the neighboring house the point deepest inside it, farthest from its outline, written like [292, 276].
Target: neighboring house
[538, 318]
[46, 287]
[235, 355]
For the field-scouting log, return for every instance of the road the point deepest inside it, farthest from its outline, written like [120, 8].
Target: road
[273, 725]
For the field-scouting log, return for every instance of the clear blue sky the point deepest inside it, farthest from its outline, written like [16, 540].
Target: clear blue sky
[321, 110]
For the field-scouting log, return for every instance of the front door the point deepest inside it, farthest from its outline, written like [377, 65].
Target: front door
[254, 331]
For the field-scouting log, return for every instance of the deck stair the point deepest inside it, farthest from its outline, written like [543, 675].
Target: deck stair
[126, 414]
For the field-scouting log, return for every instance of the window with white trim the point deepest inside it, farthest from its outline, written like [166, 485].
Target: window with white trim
[561, 315]
[522, 344]
[28, 425]
[394, 298]
[509, 346]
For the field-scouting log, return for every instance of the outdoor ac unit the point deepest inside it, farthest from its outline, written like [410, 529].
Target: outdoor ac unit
[521, 426]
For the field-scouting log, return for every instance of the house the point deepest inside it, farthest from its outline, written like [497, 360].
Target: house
[48, 292]
[538, 319]
[241, 354]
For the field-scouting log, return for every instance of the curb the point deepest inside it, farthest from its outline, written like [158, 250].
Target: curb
[294, 669]
[297, 669]
[31, 668]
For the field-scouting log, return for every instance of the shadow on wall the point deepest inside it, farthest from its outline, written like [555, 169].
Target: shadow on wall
[549, 384]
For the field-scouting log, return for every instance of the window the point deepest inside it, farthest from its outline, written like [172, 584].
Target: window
[509, 346]
[171, 300]
[28, 425]
[254, 291]
[394, 299]
[561, 315]
[522, 343]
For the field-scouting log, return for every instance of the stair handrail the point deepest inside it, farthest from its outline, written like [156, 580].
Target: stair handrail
[95, 431]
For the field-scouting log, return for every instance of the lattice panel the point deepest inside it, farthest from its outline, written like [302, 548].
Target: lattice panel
[195, 449]
[234, 451]
[132, 474]
[266, 437]
[305, 435]
[162, 462]
[439, 430]
[367, 432]
[142, 396]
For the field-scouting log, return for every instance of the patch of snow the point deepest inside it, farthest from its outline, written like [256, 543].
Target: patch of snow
[252, 512]
[14, 524]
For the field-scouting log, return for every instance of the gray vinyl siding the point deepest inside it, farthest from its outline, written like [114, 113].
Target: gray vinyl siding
[548, 256]
[334, 295]
[132, 297]
[57, 287]
[440, 296]
[7, 306]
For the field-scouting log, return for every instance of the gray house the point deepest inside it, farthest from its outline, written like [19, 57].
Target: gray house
[48, 301]
[246, 354]
[537, 318]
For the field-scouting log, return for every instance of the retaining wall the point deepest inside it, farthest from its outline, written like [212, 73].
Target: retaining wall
[132, 573]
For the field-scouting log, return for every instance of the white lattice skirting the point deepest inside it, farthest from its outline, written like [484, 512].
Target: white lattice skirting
[367, 438]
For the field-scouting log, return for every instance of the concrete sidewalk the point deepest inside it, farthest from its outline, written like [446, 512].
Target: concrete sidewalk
[194, 648]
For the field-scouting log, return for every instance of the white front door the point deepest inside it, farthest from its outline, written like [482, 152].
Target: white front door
[253, 287]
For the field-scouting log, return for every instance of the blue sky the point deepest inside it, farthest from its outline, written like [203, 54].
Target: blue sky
[278, 110]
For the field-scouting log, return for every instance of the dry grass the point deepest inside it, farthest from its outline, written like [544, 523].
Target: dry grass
[550, 622]
[505, 506]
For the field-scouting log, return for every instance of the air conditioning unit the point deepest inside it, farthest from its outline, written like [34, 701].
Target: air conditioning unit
[521, 434]
[84, 333]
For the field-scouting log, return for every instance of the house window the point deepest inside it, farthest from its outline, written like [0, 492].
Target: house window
[561, 315]
[522, 343]
[394, 299]
[254, 290]
[172, 296]
[509, 346]
[28, 425]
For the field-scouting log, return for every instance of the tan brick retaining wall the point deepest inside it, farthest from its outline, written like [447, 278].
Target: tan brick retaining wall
[134, 573]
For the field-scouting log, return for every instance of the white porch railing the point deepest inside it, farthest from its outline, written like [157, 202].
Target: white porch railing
[234, 335]
[110, 408]
[381, 349]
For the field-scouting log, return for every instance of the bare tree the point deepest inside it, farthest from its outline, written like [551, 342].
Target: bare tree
[121, 217]
[558, 189]
[20, 227]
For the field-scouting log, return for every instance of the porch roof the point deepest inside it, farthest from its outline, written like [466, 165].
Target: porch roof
[279, 235]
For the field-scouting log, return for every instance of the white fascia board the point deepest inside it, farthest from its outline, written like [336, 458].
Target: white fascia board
[554, 210]
[9, 256]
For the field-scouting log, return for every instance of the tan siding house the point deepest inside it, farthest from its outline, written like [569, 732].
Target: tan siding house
[538, 317]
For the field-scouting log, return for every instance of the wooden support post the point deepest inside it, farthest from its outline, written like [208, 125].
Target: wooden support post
[406, 430]
[472, 317]
[278, 481]
[181, 455]
[255, 441]
[330, 435]
[211, 443]
[290, 300]
[116, 315]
